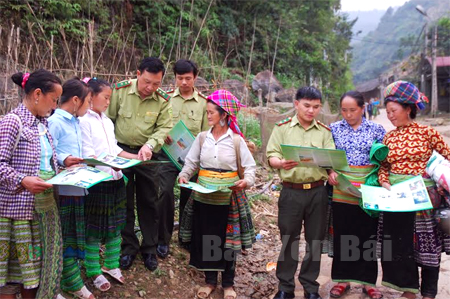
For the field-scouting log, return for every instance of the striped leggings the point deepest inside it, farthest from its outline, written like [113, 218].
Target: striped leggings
[112, 255]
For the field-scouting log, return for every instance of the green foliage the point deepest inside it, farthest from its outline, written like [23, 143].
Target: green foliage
[251, 128]
[307, 39]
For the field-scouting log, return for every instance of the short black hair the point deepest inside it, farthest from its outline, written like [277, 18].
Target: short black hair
[356, 95]
[41, 78]
[96, 85]
[152, 65]
[74, 87]
[308, 93]
[184, 66]
[413, 107]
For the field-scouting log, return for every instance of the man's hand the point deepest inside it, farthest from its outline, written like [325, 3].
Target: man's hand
[332, 178]
[239, 185]
[145, 153]
[70, 161]
[168, 140]
[386, 185]
[34, 184]
[183, 180]
[288, 164]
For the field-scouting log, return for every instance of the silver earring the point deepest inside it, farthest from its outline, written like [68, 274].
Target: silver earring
[36, 101]
[222, 122]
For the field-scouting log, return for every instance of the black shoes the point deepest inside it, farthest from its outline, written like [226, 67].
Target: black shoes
[284, 295]
[162, 251]
[126, 261]
[150, 261]
[312, 295]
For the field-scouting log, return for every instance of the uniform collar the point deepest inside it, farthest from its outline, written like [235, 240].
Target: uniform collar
[133, 90]
[194, 95]
[295, 121]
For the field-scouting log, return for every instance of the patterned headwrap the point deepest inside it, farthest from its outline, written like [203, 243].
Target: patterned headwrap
[406, 93]
[228, 102]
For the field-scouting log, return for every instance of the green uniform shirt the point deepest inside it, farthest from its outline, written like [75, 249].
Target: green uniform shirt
[139, 121]
[191, 111]
[291, 132]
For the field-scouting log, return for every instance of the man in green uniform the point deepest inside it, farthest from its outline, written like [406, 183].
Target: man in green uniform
[189, 106]
[141, 112]
[303, 199]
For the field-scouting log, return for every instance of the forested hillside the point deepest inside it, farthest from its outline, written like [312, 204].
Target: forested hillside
[367, 22]
[302, 41]
[398, 34]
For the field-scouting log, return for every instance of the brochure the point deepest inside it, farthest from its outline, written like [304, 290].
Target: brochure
[83, 177]
[410, 195]
[316, 157]
[182, 140]
[201, 189]
[346, 186]
[118, 162]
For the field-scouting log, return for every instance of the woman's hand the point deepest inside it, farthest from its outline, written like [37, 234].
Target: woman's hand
[34, 184]
[386, 185]
[239, 185]
[183, 180]
[70, 161]
[332, 178]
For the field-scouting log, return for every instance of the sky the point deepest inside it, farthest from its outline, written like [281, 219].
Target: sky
[355, 5]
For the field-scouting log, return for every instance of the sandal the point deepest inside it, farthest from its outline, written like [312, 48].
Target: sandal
[115, 273]
[373, 293]
[338, 290]
[204, 292]
[83, 293]
[229, 293]
[102, 283]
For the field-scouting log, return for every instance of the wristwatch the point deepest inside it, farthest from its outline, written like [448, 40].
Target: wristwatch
[149, 146]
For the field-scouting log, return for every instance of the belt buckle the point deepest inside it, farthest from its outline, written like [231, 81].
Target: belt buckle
[306, 186]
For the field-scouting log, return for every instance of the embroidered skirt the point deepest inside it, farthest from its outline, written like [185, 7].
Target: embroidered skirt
[105, 210]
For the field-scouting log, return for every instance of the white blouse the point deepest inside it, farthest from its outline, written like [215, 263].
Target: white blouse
[219, 154]
[98, 137]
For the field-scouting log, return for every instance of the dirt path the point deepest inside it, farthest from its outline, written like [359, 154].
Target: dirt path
[174, 279]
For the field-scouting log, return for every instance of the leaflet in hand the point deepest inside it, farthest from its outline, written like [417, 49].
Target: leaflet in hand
[407, 196]
[182, 140]
[315, 157]
[83, 177]
[346, 186]
[117, 162]
[201, 189]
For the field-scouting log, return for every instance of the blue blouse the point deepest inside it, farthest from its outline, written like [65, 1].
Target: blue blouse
[66, 132]
[357, 143]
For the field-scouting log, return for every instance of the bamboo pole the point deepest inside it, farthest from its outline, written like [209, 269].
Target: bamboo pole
[201, 27]
[91, 47]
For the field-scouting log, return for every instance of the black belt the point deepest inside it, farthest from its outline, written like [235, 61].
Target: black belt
[217, 169]
[304, 186]
[129, 146]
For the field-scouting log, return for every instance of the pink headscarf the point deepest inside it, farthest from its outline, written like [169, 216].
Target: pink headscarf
[228, 102]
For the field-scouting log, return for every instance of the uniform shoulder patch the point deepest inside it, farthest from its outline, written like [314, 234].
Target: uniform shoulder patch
[284, 121]
[122, 84]
[202, 95]
[163, 94]
[323, 125]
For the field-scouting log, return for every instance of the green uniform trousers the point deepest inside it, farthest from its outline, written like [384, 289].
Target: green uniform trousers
[297, 207]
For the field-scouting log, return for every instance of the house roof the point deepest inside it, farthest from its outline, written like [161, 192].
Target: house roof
[443, 61]
[368, 85]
